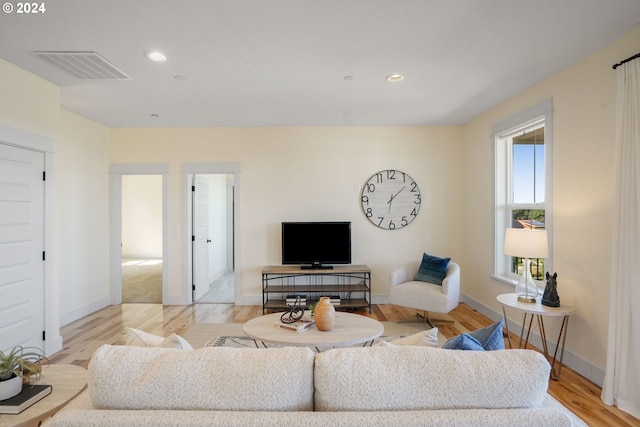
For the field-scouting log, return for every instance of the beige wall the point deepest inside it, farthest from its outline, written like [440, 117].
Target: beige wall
[311, 174]
[27, 102]
[81, 216]
[584, 97]
[142, 216]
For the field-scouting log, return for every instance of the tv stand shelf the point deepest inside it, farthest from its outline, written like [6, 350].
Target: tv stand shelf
[352, 283]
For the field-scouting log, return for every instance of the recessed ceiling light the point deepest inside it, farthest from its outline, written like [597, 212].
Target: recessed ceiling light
[178, 77]
[348, 78]
[154, 115]
[395, 77]
[154, 55]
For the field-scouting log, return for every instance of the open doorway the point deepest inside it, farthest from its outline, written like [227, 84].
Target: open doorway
[142, 239]
[213, 264]
[119, 172]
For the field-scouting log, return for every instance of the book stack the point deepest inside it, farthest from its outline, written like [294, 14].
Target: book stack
[291, 300]
[29, 395]
[334, 300]
[298, 326]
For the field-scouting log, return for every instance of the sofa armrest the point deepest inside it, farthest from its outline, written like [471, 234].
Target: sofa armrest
[404, 273]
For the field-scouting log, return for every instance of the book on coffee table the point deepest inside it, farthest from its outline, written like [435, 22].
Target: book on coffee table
[297, 326]
[29, 395]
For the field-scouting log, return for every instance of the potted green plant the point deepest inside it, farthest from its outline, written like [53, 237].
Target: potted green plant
[312, 309]
[18, 366]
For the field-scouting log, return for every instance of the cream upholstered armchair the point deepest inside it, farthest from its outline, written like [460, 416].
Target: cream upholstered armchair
[407, 292]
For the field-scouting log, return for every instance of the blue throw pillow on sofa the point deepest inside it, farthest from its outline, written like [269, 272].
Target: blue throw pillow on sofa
[491, 336]
[488, 339]
[432, 269]
[463, 342]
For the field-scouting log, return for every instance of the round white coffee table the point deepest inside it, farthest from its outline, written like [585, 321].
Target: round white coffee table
[349, 330]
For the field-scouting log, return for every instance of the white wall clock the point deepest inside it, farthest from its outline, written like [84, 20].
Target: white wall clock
[390, 199]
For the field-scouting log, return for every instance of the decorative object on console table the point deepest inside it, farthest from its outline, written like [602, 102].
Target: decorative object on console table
[325, 314]
[550, 297]
[526, 244]
[300, 300]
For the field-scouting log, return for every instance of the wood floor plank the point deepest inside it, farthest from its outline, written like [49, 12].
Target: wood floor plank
[108, 326]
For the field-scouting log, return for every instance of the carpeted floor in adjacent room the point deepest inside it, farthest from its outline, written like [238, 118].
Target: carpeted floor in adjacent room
[142, 280]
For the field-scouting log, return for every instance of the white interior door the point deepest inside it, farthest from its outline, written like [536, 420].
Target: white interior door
[200, 236]
[21, 247]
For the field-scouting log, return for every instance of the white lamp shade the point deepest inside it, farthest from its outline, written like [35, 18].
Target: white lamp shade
[526, 243]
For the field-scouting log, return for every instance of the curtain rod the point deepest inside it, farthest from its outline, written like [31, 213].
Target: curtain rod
[631, 58]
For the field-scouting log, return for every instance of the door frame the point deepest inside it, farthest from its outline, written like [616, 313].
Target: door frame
[116, 171]
[189, 169]
[30, 141]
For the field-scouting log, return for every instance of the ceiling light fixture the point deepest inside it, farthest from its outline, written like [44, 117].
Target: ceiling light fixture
[395, 77]
[156, 56]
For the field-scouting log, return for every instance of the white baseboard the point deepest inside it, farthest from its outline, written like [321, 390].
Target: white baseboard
[79, 313]
[578, 364]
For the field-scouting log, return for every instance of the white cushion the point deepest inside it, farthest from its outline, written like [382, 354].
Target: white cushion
[428, 338]
[140, 338]
[210, 378]
[414, 378]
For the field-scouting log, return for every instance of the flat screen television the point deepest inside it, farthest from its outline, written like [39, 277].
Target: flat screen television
[316, 244]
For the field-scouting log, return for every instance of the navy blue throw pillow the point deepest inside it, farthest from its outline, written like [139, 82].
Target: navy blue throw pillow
[432, 269]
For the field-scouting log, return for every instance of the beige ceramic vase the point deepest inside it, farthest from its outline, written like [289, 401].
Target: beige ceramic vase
[324, 315]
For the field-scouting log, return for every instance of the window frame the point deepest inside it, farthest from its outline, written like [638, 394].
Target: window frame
[502, 179]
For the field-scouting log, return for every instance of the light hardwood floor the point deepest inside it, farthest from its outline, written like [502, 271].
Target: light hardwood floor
[107, 326]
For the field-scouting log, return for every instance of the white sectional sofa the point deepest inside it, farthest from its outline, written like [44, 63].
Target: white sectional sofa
[375, 386]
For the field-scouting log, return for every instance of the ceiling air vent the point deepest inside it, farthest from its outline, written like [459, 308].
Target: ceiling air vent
[82, 65]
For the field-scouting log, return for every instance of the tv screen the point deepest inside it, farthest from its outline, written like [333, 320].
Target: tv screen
[316, 244]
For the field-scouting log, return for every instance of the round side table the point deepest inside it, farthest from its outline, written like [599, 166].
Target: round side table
[67, 381]
[538, 311]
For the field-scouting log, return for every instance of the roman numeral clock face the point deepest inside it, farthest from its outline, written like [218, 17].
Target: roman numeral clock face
[391, 199]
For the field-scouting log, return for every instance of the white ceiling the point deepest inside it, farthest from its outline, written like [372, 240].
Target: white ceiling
[284, 62]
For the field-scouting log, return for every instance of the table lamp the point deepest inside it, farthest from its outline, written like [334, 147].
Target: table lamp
[526, 244]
